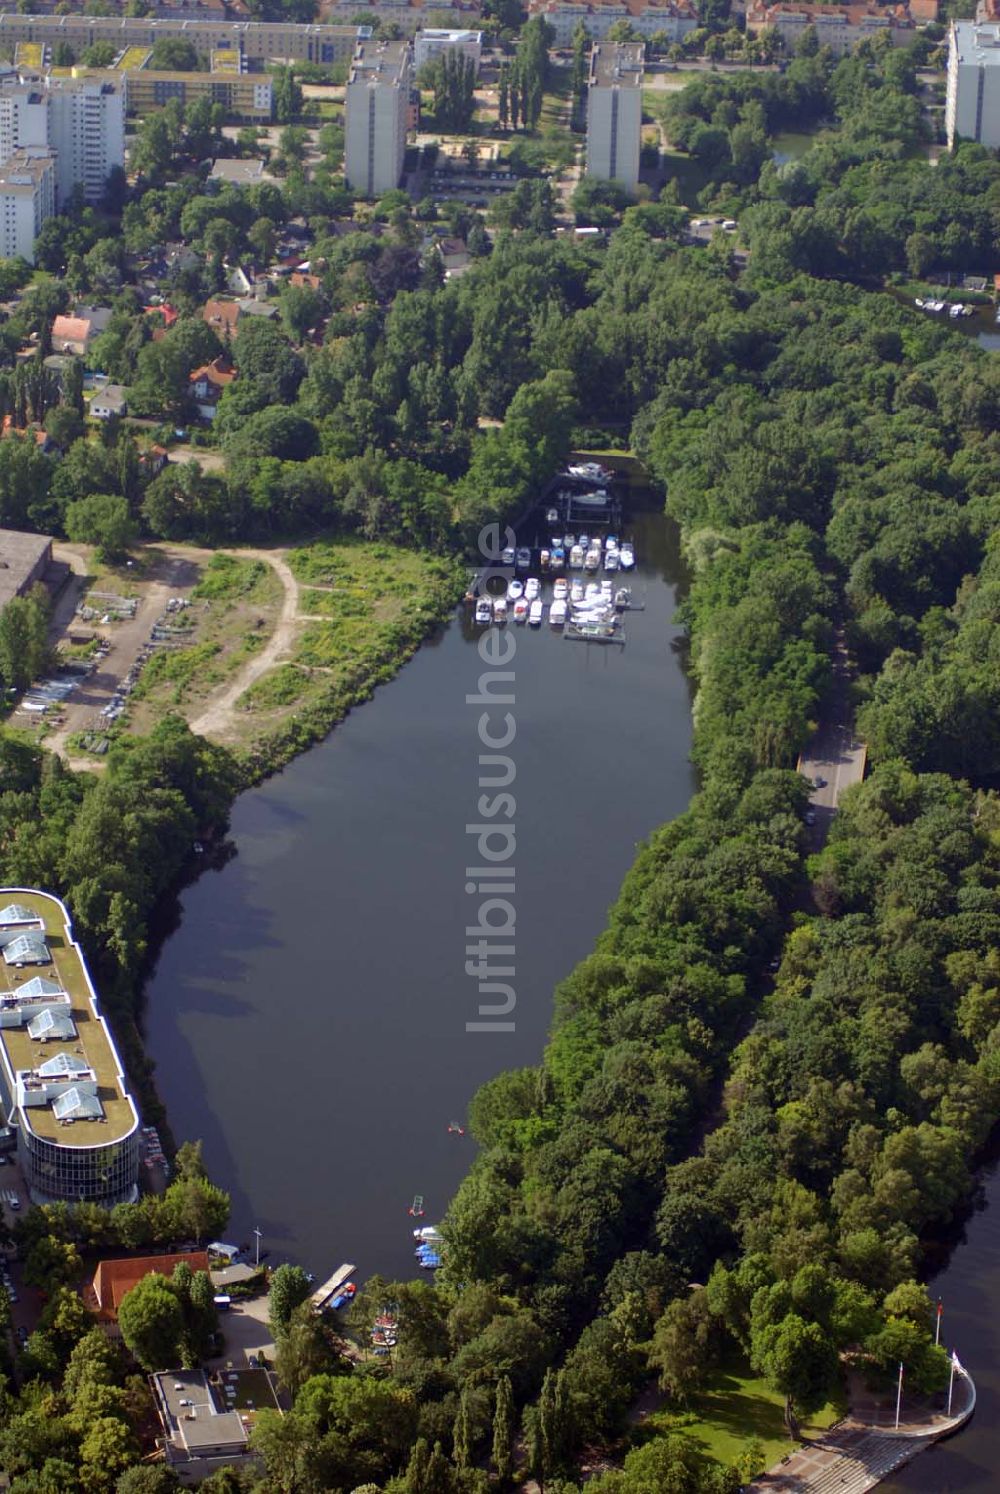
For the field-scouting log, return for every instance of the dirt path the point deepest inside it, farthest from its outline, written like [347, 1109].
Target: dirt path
[217, 718]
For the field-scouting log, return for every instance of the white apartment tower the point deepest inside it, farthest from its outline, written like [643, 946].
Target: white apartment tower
[82, 120]
[378, 101]
[614, 112]
[27, 198]
[972, 107]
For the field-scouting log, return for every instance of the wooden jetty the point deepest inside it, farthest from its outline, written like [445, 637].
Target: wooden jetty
[322, 1295]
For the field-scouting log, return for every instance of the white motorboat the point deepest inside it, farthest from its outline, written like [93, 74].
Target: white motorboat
[484, 610]
[536, 614]
[576, 590]
[560, 589]
[515, 589]
[552, 516]
[557, 613]
[569, 540]
[576, 558]
[611, 560]
[610, 542]
[592, 559]
[532, 588]
[590, 471]
[520, 610]
[522, 558]
[500, 609]
[507, 555]
[626, 557]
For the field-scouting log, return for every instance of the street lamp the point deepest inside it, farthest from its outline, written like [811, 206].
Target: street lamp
[257, 1234]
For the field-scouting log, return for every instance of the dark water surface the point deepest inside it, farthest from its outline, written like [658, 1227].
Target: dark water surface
[968, 1285]
[307, 1019]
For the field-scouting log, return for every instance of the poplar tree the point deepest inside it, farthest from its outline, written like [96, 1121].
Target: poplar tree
[503, 1430]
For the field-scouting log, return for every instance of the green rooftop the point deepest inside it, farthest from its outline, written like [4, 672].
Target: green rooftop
[92, 1043]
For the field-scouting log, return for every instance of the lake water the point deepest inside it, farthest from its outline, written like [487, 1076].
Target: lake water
[308, 1017]
[968, 1284]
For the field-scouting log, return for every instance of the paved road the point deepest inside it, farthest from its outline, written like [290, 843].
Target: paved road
[835, 754]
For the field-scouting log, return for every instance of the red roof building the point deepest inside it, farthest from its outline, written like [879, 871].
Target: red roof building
[113, 1279]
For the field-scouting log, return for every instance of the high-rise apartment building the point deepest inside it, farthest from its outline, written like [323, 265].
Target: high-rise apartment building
[378, 98]
[82, 120]
[27, 198]
[614, 111]
[972, 104]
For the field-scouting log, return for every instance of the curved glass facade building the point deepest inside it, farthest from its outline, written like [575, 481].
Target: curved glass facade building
[61, 1080]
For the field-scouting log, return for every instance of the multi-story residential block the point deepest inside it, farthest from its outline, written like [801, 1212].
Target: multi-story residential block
[378, 97]
[839, 27]
[408, 15]
[433, 43]
[670, 18]
[259, 41]
[972, 107]
[81, 120]
[614, 111]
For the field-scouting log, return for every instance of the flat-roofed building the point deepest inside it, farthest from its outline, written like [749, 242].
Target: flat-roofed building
[614, 112]
[24, 559]
[207, 1422]
[434, 42]
[243, 95]
[378, 97]
[260, 41]
[27, 199]
[81, 120]
[972, 105]
[61, 1081]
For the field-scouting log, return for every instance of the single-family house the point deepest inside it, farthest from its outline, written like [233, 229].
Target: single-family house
[207, 384]
[222, 316]
[112, 400]
[71, 334]
[455, 257]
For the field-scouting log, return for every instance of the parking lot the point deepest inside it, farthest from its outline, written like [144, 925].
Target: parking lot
[124, 637]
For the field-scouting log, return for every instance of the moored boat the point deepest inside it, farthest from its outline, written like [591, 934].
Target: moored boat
[507, 555]
[626, 557]
[532, 588]
[515, 589]
[522, 558]
[545, 559]
[557, 613]
[500, 610]
[521, 610]
[484, 611]
[536, 613]
[560, 590]
[576, 558]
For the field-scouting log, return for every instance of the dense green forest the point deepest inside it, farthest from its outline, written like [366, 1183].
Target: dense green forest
[775, 1070]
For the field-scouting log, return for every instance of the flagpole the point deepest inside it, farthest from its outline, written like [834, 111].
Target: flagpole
[951, 1383]
[899, 1394]
[937, 1330]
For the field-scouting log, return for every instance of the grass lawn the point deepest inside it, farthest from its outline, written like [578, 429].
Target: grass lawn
[688, 173]
[737, 1406]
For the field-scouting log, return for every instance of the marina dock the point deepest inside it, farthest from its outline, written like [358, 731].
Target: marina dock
[323, 1294]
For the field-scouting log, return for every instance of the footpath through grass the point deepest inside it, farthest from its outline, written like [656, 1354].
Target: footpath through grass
[735, 1407]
